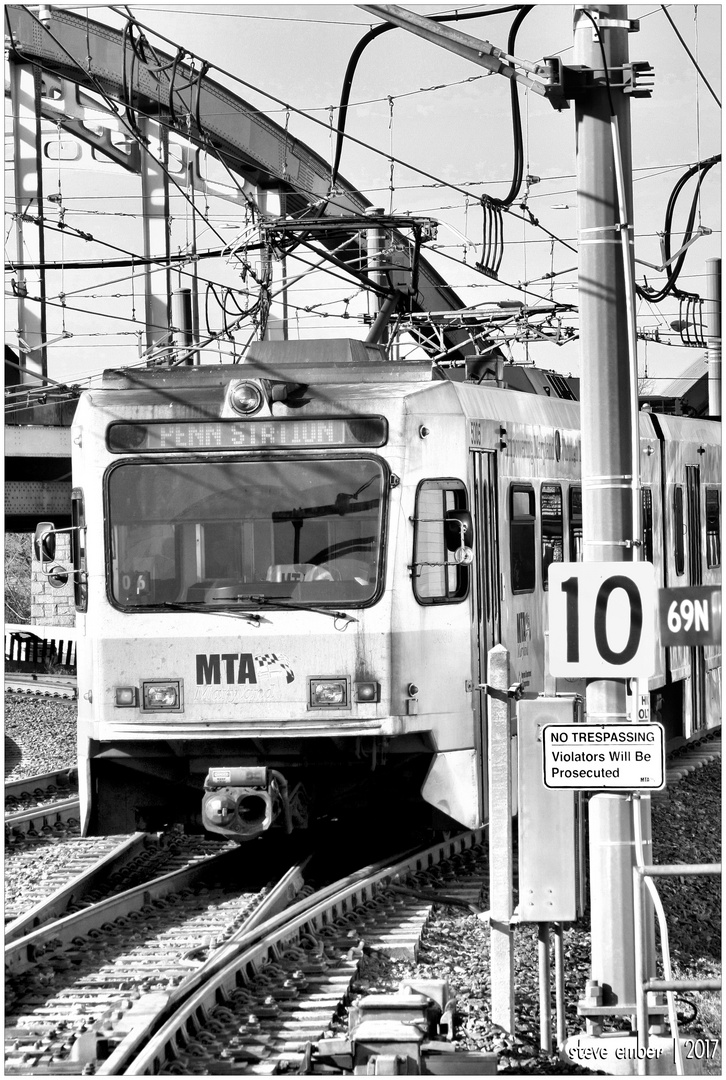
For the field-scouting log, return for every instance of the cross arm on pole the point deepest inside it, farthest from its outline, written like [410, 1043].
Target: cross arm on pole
[540, 77]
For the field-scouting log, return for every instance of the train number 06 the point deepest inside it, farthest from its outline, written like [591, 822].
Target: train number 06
[571, 588]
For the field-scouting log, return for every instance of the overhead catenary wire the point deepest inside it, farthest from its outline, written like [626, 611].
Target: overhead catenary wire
[482, 13]
[664, 9]
[337, 130]
[533, 220]
[130, 124]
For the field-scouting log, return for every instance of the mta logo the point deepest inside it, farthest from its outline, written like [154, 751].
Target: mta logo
[235, 668]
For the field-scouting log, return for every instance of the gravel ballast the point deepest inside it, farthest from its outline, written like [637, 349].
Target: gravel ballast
[40, 737]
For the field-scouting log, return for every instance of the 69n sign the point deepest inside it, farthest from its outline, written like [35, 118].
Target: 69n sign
[602, 620]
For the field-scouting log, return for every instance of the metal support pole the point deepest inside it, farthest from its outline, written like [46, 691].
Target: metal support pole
[713, 336]
[157, 279]
[640, 973]
[545, 1007]
[500, 843]
[375, 243]
[30, 238]
[283, 266]
[560, 983]
[181, 304]
[608, 468]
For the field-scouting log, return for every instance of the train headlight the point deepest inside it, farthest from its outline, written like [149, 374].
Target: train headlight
[162, 695]
[327, 693]
[220, 808]
[245, 398]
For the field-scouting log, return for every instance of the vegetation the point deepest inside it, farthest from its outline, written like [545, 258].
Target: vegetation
[18, 560]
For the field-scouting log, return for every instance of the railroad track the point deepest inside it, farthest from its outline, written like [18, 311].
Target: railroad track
[91, 869]
[239, 999]
[62, 817]
[690, 755]
[38, 807]
[71, 984]
[42, 685]
[263, 998]
[33, 791]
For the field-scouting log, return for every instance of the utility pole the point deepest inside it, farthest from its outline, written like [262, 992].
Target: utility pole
[601, 82]
[610, 455]
[713, 336]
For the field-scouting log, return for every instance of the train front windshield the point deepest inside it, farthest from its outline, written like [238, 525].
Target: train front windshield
[244, 533]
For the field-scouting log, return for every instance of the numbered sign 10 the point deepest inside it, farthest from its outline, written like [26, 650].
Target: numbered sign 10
[602, 620]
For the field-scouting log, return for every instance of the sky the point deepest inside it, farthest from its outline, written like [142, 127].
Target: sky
[447, 122]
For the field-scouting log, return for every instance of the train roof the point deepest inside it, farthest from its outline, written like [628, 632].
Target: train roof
[686, 428]
[362, 372]
[336, 361]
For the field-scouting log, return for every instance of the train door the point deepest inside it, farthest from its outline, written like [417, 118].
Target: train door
[695, 576]
[487, 610]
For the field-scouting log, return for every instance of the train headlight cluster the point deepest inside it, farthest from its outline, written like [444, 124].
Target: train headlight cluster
[245, 398]
[158, 696]
[328, 693]
[335, 693]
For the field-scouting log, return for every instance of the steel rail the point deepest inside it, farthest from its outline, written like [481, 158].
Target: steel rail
[20, 954]
[42, 685]
[227, 969]
[63, 812]
[131, 908]
[56, 905]
[28, 785]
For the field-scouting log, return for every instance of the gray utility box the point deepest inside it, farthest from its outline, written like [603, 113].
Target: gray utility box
[549, 856]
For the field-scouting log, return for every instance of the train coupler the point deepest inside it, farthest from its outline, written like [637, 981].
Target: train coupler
[241, 803]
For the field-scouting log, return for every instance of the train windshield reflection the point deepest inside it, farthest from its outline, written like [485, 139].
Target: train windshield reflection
[219, 533]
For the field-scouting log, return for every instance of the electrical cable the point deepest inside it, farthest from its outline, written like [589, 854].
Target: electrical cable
[518, 167]
[355, 56]
[673, 271]
[664, 9]
[131, 123]
[381, 29]
[329, 200]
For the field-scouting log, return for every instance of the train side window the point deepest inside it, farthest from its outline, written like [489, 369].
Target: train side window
[521, 537]
[437, 579]
[646, 503]
[575, 524]
[553, 540]
[678, 529]
[713, 526]
[78, 550]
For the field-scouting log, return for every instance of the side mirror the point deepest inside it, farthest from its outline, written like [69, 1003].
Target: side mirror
[458, 530]
[44, 542]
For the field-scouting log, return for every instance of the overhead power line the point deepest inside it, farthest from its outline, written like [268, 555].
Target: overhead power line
[664, 9]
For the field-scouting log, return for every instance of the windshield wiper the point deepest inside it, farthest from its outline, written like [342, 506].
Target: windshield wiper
[287, 602]
[253, 617]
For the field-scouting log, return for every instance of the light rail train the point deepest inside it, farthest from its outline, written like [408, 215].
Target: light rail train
[289, 573]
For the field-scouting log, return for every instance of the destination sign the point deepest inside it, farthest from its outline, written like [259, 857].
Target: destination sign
[596, 757]
[270, 434]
